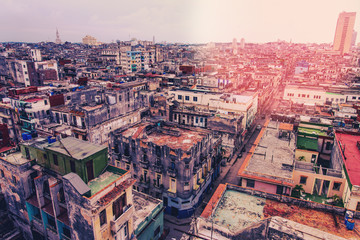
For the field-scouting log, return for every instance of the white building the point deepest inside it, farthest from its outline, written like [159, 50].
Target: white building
[312, 95]
[36, 55]
[225, 103]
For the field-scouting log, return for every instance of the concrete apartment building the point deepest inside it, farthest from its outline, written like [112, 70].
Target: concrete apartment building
[234, 212]
[312, 95]
[171, 162]
[346, 151]
[89, 40]
[269, 165]
[230, 104]
[344, 32]
[65, 189]
[101, 111]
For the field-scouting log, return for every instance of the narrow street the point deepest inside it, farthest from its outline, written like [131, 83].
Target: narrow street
[228, 175]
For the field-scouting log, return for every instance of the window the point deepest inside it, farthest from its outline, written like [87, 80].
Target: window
[337, 186]
[172, 185]
[65, 118]
[68, 97]
[72, 166]
[13, 180]
[125, 229]
[102, 217]
[187, 98]
[179, 97]
[279, 189]
[328, 146]
[250, 183]
[303, 180]
[55, 160]
[186, 186]
[157, 231]
[313, 158]
[2, 174]
[120, 98]
[45, 156]
[45, 102]
[119, 205]
[195, 99]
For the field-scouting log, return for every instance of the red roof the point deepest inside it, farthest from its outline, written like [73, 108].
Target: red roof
[352, 155]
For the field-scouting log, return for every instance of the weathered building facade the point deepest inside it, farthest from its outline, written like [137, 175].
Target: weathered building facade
[172, 162]
[65, 189]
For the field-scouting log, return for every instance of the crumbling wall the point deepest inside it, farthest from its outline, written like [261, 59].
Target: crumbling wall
[291, 200]
[79, 211]
[15, 194]
[254, 231]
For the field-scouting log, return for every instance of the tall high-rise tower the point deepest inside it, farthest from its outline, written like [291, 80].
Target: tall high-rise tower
[344, 32]
[234, 46]
[58, 40]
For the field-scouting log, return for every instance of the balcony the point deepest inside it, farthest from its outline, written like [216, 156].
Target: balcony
[144, 163]
[172, 172]
[196, 167]
[116, 224]
[126, 158]
[51, 232]
[63, 236]
[158, 168]
[144, 182]
[171, 193]
[37, 224]
[196, 189]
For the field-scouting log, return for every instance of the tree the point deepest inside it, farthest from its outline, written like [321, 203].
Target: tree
[297, 190]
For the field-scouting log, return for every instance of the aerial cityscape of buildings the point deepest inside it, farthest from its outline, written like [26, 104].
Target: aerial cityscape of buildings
[143, 140]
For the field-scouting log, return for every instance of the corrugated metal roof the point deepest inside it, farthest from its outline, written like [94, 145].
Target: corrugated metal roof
[77, 183]
[75, 148]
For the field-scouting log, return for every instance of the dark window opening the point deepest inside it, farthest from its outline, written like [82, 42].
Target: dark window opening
[102, 217]
[250, 183]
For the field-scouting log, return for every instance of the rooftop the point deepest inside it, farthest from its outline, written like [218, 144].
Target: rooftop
[351, 154]
[15, 158]
[146, 208]
[235, 211]
[312, 131]
[110, 175]
[75, 148]
[271, 156]
[172, 136]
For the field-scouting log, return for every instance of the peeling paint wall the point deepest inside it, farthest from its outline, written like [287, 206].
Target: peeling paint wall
[15, 187]
[80, 218]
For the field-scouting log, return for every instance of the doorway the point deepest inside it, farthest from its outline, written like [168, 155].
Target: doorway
[90, 170]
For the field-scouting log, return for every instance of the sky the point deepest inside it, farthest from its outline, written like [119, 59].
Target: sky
[185, 21]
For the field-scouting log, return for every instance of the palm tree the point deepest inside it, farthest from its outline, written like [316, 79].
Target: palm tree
[297, 190]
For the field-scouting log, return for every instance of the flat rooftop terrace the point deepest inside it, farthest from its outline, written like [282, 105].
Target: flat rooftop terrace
[15, 158]
[171, 136]
[235, 210]
[110, 175]
[351, 154]
[145, 206]
[271, 155]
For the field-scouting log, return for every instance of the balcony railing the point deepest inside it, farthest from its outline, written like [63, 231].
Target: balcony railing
[116, 224]
[144, 163]
[158, 168]
[126, 158]
[172, 172]
[63, 236]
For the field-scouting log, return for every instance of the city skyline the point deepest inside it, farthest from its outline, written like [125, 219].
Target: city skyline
[185, 21]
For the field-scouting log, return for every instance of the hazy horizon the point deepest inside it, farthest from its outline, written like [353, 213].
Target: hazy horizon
[174, 22]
